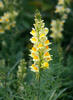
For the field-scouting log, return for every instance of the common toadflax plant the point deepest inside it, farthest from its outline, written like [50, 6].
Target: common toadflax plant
[57, 25]
[62, 9]
[56, 28]
[40, 50]
[7, 17]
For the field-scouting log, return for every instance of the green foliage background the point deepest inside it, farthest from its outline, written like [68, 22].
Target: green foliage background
[57, 82]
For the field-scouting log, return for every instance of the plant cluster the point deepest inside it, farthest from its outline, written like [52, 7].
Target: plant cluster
[7, 18]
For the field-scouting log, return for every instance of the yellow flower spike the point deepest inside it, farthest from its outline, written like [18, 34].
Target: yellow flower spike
[39, 51]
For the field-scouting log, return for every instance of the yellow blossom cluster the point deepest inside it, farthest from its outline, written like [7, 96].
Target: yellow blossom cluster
[62, 9]
[40, 50]
[57, 25]
[56, 28]
[7, 20]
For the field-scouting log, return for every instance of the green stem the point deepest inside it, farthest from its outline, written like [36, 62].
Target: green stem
[38, 97]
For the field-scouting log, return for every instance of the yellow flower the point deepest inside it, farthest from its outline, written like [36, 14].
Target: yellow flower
[42, 35]
[45, 65]
[47, 42]
[33, 32]
[40, 45]
[1, 20]
[49, 58]
[34, 49]
[32, 54]
[7, 20]
[47, 47]
[34, 68]
[46, 54]
[33, 40]
[35, 58]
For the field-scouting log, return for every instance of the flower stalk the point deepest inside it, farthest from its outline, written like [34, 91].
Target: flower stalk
[40, 50]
